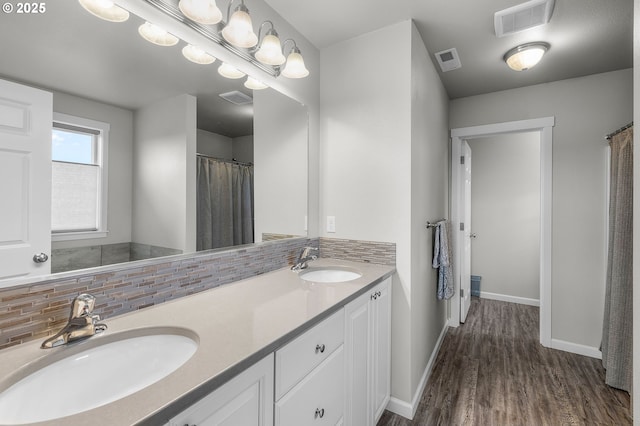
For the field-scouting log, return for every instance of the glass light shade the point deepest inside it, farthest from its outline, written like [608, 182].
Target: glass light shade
[228, 71]
[270, 52]
[295, 66]
[157, 35]
[526, 56]
[254, 84]
[197, 55]
[239, 30]
[201, 11]
[105, 9]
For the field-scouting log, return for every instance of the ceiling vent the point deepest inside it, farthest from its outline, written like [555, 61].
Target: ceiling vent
[523, 16]
[237, 98]
[448, 60]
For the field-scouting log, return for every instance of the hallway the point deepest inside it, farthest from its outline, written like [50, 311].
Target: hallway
[493, 371]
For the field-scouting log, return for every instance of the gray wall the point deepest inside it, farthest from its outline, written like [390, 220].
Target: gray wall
[505, 215]
[585, 110]
[164, 180]
[383, 171]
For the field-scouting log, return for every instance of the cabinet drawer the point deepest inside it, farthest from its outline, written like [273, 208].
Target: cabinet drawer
[298, 358]
[318, 399]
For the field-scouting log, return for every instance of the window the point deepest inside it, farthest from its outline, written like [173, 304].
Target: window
[79, 178]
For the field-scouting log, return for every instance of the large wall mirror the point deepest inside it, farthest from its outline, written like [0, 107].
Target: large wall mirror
[166, 123]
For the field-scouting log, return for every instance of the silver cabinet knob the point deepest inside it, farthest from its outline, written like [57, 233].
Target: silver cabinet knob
[320, 348]
[40, 257]
[319, 413]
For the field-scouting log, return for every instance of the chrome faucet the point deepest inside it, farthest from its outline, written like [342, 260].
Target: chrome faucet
[82, 323]
[304, 256]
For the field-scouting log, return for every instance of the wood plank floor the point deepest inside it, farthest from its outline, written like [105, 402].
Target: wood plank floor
[492, 370]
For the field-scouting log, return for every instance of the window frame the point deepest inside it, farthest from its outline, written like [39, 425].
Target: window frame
[102, 150]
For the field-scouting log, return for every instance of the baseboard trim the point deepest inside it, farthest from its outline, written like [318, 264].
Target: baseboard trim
[576, 348]
[512, 299]
[408, 410]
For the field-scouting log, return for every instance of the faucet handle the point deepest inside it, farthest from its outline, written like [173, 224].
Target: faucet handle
[82, 305]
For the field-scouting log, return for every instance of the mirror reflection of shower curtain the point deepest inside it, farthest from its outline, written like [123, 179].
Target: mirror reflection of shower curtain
[224, 203]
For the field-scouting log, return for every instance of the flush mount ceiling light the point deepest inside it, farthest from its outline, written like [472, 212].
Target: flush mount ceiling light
[105, 9]
[197, 55]
[201, 11]
[239, 30]
[525, 56]
[157, 35]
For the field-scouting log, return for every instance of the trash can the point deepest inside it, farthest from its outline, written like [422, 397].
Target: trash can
[475, 285]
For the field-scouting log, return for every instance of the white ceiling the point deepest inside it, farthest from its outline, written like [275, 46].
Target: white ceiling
[586, 36]
[68, 50]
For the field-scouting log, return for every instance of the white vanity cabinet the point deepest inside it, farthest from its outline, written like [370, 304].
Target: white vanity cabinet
[368, 355]
[245, 400]
[310, 376]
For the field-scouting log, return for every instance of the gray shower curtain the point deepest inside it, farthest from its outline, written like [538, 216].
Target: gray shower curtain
[224, 203]
[618, 311]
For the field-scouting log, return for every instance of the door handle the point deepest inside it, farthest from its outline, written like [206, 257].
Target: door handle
[40, 257]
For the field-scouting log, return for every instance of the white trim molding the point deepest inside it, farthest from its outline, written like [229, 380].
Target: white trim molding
[544, 127]
[576, 348]
[512, 299]
[406, 409]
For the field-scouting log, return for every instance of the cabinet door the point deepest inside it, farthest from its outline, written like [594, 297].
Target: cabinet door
[246, 400]
[318, 399]
[357, 349]
[381, 348]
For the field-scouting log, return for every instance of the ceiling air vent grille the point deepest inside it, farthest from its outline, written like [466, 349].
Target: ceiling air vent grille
[448, 60]
[523, 16]
[237, 98]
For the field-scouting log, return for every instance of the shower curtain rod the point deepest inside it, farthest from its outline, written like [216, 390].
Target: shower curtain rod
[223, 160]
[621, 129]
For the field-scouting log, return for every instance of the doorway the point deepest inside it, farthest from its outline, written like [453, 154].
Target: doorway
[458, 137]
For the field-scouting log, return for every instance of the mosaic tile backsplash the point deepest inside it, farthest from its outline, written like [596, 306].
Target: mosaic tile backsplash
[34, 311]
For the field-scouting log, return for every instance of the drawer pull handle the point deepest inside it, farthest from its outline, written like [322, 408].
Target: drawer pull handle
[320, 348]
[319, 412]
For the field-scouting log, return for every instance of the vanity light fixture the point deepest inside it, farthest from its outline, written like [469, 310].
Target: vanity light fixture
[239, 30]
[254, 84]
[197, 55]
[270, 51]
[105, 9]
[295, 63]
[157, 35]
[526, 56]
[228, 71]
[201, 11]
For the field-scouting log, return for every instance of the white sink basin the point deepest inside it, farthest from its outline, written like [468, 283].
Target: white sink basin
[86, 375]
[329, 274]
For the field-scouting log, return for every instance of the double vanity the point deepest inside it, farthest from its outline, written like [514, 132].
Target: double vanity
[284, 348]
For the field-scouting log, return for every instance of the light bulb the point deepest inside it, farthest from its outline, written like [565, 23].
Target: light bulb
[295, 65]
[157, 35]
[239, 30]
[197, 55]
[105, 9]
[254, 84]
[228, 71]
[201, 11]
[270, 52]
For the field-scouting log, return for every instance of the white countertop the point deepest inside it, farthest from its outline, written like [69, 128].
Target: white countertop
[236, 325]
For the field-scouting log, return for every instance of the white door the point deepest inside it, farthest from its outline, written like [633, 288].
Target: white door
[25, 180]
[465, 270]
